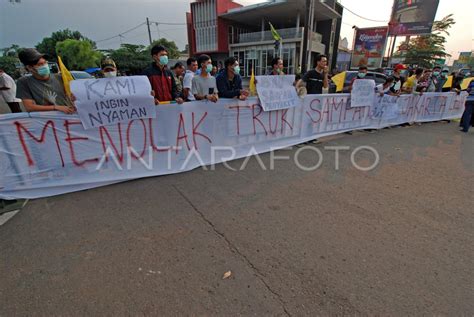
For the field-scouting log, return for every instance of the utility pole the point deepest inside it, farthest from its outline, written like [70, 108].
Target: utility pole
[304, 59]
[392, 51]
[149, 31]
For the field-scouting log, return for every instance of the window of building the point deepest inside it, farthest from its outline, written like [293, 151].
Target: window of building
[260, 59]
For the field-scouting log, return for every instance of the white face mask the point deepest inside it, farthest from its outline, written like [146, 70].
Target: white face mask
[110, 74]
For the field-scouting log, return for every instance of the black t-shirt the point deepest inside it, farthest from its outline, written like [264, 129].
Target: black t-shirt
[314, 82]
[397, 84]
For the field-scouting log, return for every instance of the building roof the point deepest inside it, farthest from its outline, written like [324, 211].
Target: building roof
[283, 12]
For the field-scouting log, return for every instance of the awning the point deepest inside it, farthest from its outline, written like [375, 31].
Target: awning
[282, 13]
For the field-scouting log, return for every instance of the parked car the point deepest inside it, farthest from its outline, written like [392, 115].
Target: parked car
[76, 74]
[388, 71]
[465, 72]
[379, 78]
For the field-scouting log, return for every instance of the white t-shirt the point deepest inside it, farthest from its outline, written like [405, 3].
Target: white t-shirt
[379, 89]
[9, 94]
[188, 83]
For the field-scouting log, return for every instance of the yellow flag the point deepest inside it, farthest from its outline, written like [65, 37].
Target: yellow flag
[448, 82]
[275, 34]
[466, 82]
[66, 76]
[338, 80]
[253, 88]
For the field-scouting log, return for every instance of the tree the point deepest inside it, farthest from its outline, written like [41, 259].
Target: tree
[186, 49]
[8, 64]
[424, 50]
[173, 50]
[78, 54]
[130, 58]
[12, 50]
[48, 44]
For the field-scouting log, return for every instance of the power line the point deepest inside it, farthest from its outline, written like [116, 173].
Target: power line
[362, 16]
[166, 23]
[121, 34]
[136, 27]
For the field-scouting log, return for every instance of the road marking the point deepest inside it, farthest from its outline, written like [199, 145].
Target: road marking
[7, 216]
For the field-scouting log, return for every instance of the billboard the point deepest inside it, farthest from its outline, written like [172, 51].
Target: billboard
[369, 47]
[464, 57]
[463, 61]
[412, 17]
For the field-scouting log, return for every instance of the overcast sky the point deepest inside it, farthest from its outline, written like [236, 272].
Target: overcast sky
[27, 23]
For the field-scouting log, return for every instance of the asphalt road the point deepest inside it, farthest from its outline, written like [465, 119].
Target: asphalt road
[397, 240]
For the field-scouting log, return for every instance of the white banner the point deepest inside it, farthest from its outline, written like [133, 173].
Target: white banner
[363, 93]
[108, 101]
[50, 153]
[277, 92]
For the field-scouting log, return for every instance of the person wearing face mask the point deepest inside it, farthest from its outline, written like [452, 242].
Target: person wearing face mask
[229, 82]
[8, 92]
[433, 81]
[41, 91]
[277, 67]
[436, 79]
[161, 78]
[109, 69]
[443, 79]
[178, 71]
[398, 80]
[188, 78]
[204, 85]
[360, 75]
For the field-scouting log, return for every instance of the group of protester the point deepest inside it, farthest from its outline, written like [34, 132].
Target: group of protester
[200, 80]
[423, 80]
[418, 81]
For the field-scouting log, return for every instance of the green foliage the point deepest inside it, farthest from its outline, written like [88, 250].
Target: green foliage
[186, 49]
[11, 51]
[173, 50]
[424, 50]
[78, 54]
[8, 64]
[131, 58]
[48, 44]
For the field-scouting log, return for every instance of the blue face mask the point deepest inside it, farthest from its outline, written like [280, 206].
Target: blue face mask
[164, 60]
[361, 75]
[209, 68]
[43, 71]
[237, 69]
[436, 74]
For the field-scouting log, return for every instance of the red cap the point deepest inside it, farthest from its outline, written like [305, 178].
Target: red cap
[400, 66]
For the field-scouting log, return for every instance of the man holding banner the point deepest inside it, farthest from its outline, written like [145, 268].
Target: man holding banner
[360, 75]
[316, 79]
[204, 85]
[398, 80]
[277, 67]
[229, 82]
[41, 91]
[160, 77]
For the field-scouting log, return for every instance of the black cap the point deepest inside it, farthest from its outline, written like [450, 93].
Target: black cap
[30, 56]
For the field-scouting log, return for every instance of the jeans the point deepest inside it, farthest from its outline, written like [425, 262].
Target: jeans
[467, 115]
